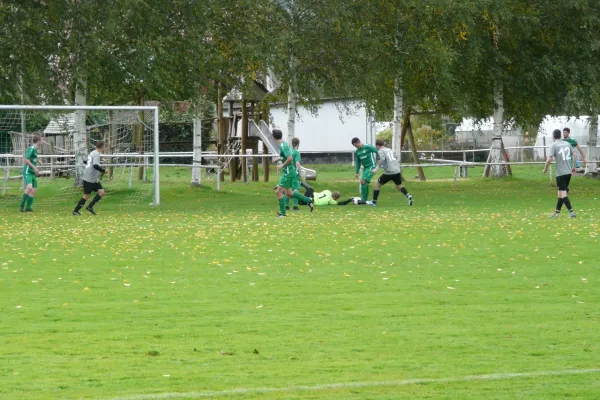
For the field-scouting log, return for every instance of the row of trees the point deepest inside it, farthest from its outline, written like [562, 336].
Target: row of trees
[516, 59]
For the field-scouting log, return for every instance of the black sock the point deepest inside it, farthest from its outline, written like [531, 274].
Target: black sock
[96, 199]
[567, 203]
[375, 195]
[559, 204]
[80, 204]
[404, 191]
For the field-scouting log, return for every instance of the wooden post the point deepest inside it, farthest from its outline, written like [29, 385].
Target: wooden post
[220, 127]
[264, 114]
[265, 161]
[243, 160]
[255, 160]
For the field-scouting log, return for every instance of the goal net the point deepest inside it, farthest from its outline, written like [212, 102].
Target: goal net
[69, 134]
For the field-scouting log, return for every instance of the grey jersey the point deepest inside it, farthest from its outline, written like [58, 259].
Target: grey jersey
[389, 162]
[90, 174]
[563, 155]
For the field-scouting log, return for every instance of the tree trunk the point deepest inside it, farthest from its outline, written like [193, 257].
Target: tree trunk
[110, 142]
[80, 134]
[398, 111]
[413, 147]
[496, 156]
[592, 151]
[139, 139]
[291, 106]
[197, 158]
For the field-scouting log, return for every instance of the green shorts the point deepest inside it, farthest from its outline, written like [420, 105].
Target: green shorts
[296, 183]
[367, 175]
[286, 181]
[30, 179]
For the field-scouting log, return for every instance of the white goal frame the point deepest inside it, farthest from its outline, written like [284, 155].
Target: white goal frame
[154, 109]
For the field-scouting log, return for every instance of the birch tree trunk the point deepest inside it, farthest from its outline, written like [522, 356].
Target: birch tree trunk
[592, 151]
[197, 158]
[79, 136]
[496, 156]
[413, 147]
[291, 106]
[398, 116]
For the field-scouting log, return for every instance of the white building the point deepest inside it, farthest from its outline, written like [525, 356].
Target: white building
[330, 129]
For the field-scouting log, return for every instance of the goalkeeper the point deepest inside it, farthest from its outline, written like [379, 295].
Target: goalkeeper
[91, 180]
[328, 198]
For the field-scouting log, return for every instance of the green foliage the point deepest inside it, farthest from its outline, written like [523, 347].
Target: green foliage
[427, 137]
[448, 55]
[386, 136]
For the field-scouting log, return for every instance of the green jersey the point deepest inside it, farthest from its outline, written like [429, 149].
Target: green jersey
[324, 198]
[284, 152]
[365, 156]
[31, 155]
[296, 157]
[571, 141]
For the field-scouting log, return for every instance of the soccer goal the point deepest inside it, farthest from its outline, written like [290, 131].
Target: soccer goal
[69, 133]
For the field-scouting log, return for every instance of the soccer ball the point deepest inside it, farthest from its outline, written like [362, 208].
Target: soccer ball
[355, 200]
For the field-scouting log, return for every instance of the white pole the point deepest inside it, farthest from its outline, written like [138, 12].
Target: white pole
[6, 175]
[156, 160]
[130, 177]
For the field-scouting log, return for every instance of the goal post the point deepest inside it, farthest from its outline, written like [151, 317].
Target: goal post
[120, 127]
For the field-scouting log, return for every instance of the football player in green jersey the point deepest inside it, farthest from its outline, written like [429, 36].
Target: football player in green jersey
[566, 132]
[288, 169]
[365, 156]
[296, 184]
[29, 174]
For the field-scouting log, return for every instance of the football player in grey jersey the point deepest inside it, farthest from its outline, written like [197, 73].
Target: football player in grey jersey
[562, 153]
[391, 172]
[91, 180]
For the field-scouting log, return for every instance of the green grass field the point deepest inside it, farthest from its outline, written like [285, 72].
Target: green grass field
[472, 293]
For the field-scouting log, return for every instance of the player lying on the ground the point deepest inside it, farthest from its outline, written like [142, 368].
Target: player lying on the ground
[329, 198]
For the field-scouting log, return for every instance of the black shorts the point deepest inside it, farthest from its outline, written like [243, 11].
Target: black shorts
[562, 182]
[385, 178]
[89, 187]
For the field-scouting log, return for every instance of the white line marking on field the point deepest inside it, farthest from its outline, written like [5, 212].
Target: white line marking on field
[351, 385]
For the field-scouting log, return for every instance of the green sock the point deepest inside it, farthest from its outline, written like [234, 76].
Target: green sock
[29, 203]
[24, 200]
[364, 192]
[295, 201]
[287, 201]
[282, 206]
[299, 196]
